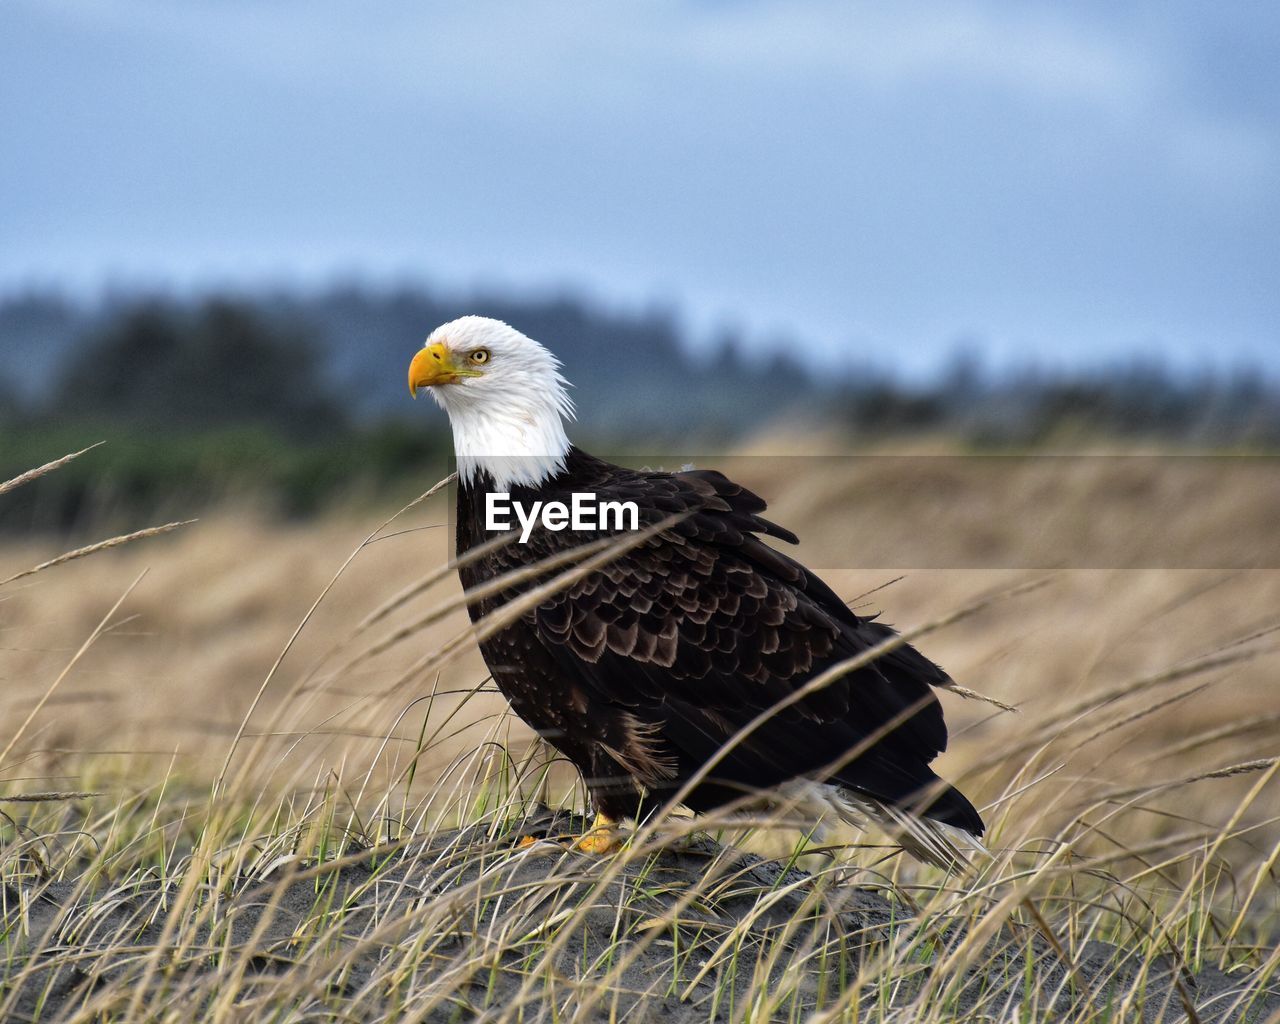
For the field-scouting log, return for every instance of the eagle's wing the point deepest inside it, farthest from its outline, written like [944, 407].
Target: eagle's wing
[698, 629]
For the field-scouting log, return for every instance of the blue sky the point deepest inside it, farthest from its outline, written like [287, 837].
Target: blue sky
[1067, 182]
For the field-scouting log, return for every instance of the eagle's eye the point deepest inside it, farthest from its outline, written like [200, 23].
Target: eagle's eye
[480, 356]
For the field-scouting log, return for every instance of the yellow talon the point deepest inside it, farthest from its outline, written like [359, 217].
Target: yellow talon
[526, 842]
[601, 838]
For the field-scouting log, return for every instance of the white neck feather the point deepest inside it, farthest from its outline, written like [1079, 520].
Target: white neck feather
[512, 446]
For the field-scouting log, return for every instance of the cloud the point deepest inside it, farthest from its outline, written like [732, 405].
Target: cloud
[912, 167]
[1022, 50]
[604, 60]
[548, 45]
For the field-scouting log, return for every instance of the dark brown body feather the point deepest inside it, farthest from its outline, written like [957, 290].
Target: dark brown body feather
[639, 672]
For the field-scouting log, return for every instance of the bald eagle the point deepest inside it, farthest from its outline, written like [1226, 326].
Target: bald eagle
[642, 671]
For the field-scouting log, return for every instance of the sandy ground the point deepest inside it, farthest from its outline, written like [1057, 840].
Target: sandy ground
[670, 956]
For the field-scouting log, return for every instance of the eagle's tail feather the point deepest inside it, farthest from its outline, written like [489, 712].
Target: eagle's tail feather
[943, 845]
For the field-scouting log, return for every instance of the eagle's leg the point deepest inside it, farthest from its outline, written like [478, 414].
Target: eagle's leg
[601, 838]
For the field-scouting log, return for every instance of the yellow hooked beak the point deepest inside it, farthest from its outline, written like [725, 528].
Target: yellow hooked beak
[435, 365]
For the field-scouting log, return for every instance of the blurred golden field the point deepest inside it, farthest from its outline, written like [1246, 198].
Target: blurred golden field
[1144, 742]
[176, 669]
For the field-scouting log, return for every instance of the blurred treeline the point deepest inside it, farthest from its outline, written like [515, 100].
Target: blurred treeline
[294, 400]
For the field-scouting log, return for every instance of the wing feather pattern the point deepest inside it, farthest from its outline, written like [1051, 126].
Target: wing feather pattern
[688, 636]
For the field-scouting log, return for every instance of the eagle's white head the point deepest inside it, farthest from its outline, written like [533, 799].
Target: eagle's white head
[505, 397]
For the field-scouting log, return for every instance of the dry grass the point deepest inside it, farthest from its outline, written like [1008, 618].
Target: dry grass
[223, 864]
